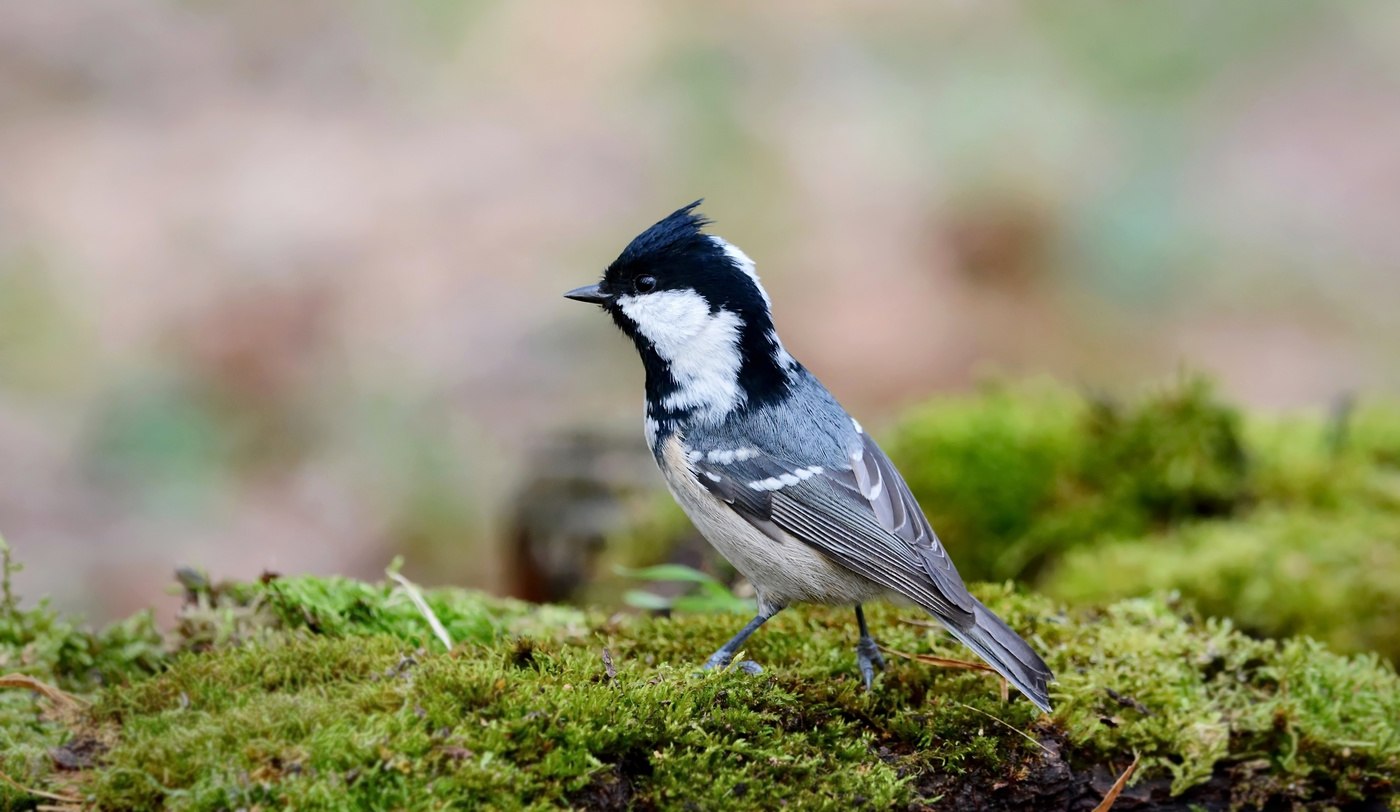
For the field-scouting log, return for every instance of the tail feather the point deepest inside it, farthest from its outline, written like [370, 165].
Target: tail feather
[1011, 656]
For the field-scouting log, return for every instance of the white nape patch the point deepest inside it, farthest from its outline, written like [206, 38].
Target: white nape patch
[743, 263]
[774, 483]
[859, 430]
[701, 348]
[780, 353]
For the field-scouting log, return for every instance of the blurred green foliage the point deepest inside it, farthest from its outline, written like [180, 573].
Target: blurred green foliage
[1277, 573]
[165, 441]
[708, 595]
[1286, 525]
[1014, 476]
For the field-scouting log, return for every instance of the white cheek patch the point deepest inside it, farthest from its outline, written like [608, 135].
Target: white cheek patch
[700, 347]
[669, 318]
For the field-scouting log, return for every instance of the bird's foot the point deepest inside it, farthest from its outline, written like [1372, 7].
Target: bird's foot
[722, 658]
[868, 658]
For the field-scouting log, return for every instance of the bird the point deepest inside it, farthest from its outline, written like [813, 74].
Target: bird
[770, 468]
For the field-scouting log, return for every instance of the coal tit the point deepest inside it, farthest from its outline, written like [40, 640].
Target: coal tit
[774, 473]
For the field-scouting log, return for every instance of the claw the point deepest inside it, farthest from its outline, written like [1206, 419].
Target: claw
[721, 660]
[868, 658]
[732, 649]
[749, 667]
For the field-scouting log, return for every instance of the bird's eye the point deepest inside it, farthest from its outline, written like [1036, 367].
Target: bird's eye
[644, 284]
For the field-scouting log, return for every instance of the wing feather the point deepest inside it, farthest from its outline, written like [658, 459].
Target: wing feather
[860, 515]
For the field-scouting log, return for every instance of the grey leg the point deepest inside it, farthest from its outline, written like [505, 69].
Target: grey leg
[726, 652]
[867, 653]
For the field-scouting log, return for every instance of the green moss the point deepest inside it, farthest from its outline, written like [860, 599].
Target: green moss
[1309, 462]
[330, 705]
[40, 643]
[1175, 456]
[217, 614]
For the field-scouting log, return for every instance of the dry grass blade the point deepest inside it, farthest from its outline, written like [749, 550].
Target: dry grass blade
[423, 608]
[52, 796]
[941, 662]
[1113, 791]
[924, 624]
[54, 695]
[1023, 734]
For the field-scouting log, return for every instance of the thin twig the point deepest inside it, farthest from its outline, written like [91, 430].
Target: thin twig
[1023, 734]
[1113, 791]
[942, 662]
[55, 695]
[52, 796]
[926, 624]
[423, 607]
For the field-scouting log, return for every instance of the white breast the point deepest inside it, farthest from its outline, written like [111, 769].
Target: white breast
[782, 571]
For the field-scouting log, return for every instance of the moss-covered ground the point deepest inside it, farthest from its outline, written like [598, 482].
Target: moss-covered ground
[333, 694]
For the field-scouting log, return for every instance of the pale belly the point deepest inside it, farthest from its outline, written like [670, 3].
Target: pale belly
[783, 570]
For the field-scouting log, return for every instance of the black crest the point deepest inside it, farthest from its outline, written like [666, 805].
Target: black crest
[682, 231]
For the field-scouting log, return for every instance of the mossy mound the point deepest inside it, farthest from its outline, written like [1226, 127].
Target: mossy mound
[1287, 525]
[1015, 476]
[327, 693]
[1277, 573]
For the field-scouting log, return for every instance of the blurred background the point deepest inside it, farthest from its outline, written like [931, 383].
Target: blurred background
[279, 283]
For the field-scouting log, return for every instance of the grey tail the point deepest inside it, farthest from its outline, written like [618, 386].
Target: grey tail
[1005, 651]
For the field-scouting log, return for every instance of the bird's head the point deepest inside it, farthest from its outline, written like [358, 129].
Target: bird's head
[701, 320]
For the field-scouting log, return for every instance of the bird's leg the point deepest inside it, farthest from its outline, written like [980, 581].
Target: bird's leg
[867, 653]
[726, 652]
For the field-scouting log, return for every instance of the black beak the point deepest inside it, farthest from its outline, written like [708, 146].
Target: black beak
[588, 293]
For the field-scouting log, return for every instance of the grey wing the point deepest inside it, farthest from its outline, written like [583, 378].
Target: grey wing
[860, 514]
